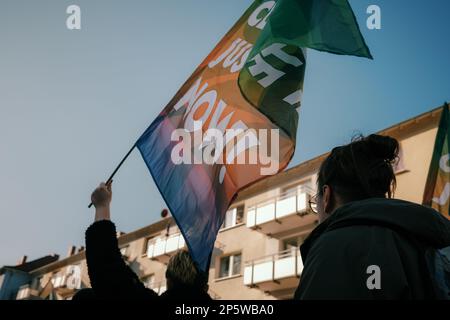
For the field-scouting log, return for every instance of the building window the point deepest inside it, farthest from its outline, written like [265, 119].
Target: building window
[73, 277]
[233, 217]
[58, 280]
[230, 266]
[291, 243]
[148, 247]
[37, 285]
[239, 215]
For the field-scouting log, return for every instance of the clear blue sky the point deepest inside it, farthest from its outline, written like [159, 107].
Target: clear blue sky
[73, 102]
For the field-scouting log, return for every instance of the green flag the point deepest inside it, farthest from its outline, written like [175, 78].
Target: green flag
[437, 188]
[272, 78]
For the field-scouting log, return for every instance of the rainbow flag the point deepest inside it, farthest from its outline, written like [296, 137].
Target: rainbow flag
[234, 121]
[437, 187]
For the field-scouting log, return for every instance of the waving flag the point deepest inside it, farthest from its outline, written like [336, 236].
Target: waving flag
[437, 188]
[235, 119]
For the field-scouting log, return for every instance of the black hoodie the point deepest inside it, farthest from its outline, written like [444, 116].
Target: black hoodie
[390, 234]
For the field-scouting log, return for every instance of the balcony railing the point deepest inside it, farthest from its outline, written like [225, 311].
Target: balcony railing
[274, 272]
[67, 281]
[59, 281]
[163, 248]
[27, 293]
[283, 212]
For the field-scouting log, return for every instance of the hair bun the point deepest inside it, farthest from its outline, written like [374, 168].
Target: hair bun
[383, 147]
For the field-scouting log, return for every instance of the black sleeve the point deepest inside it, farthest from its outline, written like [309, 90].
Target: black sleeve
[110, 276]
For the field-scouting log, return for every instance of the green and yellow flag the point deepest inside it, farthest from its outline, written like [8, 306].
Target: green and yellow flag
[437, 188]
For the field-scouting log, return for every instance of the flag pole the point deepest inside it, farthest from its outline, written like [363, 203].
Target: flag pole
[118, 167]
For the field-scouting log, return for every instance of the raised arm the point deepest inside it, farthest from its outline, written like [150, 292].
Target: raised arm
[110, 276]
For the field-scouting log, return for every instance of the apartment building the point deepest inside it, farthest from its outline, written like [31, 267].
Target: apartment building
[256, 254]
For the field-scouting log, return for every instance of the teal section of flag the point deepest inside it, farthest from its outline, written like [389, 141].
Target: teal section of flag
[272, 78]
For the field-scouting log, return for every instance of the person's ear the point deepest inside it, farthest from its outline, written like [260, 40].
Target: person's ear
[327, 199]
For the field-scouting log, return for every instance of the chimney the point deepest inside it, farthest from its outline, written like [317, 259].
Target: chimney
[71, 251]
[22, 260]
[81, 249]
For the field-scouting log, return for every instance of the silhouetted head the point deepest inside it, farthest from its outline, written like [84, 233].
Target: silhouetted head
[360, 170]
[182, 272]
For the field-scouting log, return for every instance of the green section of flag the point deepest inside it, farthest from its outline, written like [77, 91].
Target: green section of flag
[434, 195]
[272, 78]
[324, 25]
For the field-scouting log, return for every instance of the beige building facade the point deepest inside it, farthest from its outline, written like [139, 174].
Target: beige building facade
[256, 254]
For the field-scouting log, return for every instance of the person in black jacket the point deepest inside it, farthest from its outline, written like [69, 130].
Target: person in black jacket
[109, 275]
[368, 245]
[112, 278]
[184, 281]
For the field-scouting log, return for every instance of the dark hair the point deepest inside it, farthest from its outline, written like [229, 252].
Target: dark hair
[362, 169]
[182, 270]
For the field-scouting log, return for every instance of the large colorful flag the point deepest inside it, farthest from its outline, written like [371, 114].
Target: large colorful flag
[235, 119]
[437, 188]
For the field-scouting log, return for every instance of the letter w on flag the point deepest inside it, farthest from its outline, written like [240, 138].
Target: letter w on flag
[251, 82]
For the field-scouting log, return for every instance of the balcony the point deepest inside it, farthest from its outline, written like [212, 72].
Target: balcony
[26, 293]
[162, 248]
[59, 281]
[282, 213]
[67, 283]
[275, 272]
